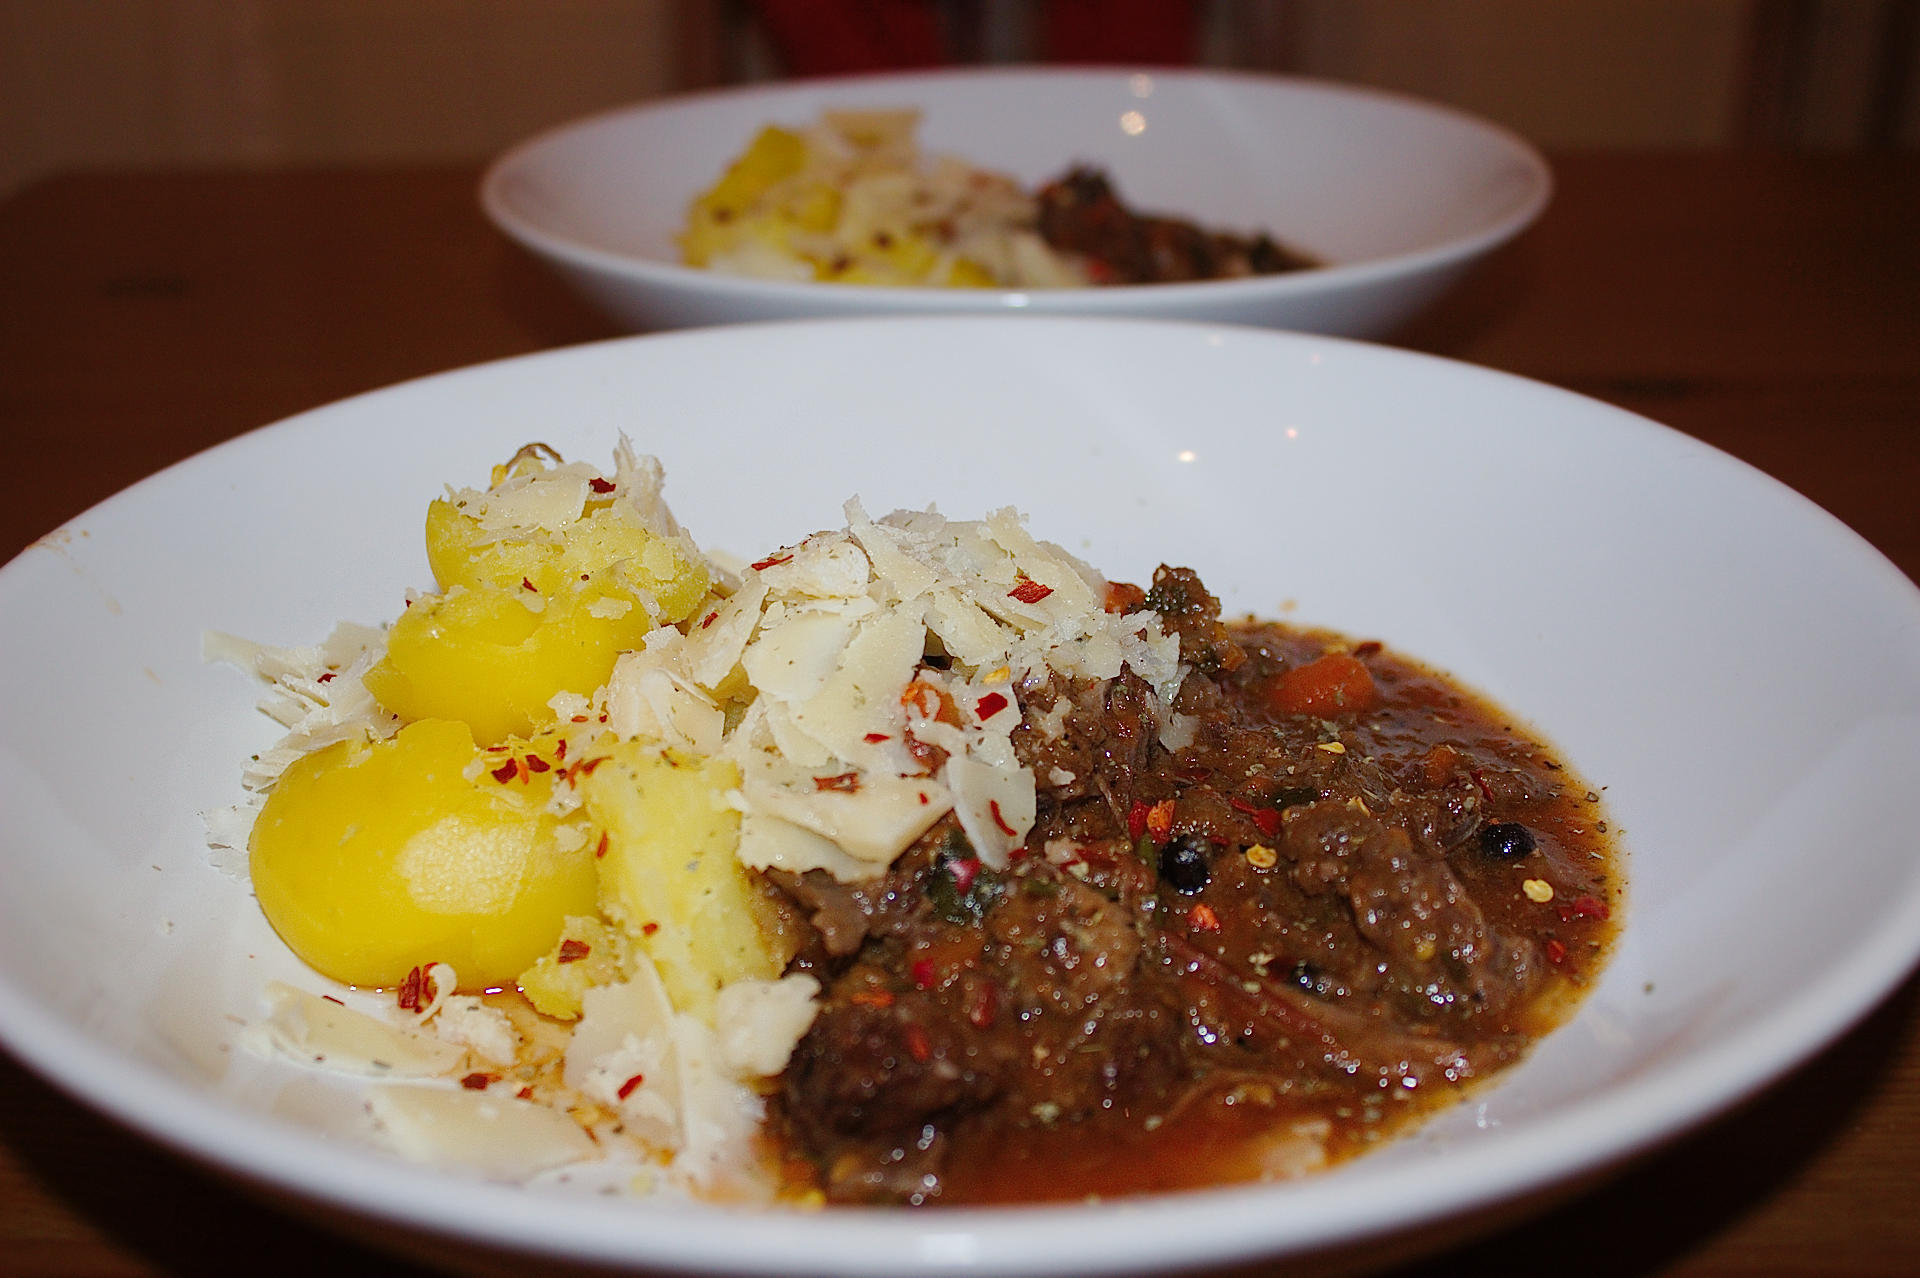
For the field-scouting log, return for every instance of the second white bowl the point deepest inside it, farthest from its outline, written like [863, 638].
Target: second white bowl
[1398, 197]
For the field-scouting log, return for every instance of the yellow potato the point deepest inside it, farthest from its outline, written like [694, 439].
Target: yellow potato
[968, 274]
[670, 876]
[606, 551]
[906, 258]
[372, 859]
[588, 953]
[528, 616]
[483, 657]
[715, 221]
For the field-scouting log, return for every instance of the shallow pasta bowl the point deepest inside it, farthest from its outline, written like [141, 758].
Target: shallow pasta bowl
[1397, 197]
[1630, 620]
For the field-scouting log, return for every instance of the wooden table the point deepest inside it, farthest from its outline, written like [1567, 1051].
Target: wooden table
[1768, 305]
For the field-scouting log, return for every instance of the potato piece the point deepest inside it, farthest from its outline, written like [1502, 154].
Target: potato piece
[965, 273]
[670, 876]
[588, 953]
[606, 550]
[370, 859]
[482, 656]
[713, 222]
[906, 258]
[531, 614]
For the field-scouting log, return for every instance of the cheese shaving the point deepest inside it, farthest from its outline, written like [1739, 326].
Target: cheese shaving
[833, 634]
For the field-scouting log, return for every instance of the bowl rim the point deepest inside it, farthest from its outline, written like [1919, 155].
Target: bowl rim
[637, 268]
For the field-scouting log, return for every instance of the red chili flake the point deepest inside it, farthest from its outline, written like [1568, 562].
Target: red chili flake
[873, 738]
[326, 677]
[709, 619]
[986, 1007]
[504, 773]
[476, 1082]
[990, 705]
[1589, 907]
[964, 872]
[993, 810]
[537, 764]
[1201, 918]
[525, 1093]
[528, 585]
[586, 766]
[600, 848]
[918, 1045]
[572, 951]
[1029, 591]
[925, 975]
[845, 782]
[560, 749]
[1137, 819]
[600, 485]
[871, 998]
[626, 1088]
[770, 561]
[578, 718]
[1160, 821]
[331, 999]
[648, 929]
[1556, 953]
[1265, 820]
[924, 800]
[413, 991]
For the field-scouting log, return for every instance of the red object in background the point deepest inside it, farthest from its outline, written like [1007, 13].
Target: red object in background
[1120, 31]
[837, 37]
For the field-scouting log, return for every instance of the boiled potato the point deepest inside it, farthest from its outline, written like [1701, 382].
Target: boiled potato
[669, 876]
[482, 656]
[371, 859]
[716, 222]
[528, 612]
[606, 550]
[588, 953]
[905, 258]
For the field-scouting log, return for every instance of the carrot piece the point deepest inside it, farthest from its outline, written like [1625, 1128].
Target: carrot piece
[1336, 684]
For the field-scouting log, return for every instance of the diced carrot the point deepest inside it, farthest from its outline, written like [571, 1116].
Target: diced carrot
[1329, 686]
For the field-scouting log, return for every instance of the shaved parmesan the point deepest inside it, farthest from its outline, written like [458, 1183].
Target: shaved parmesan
[835, 637]
[757, 1023]
[321, 1031]
[492, 1135]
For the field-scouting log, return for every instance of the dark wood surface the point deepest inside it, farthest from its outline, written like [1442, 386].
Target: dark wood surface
[1769, 305]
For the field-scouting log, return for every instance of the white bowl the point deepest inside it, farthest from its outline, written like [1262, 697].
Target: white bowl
[1666, 615]
[1399, 197]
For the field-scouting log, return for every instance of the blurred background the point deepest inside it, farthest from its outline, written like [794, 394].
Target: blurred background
[272, 83]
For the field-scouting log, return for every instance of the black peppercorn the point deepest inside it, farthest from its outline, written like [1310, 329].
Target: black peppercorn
[1183, 864]
[1506, 840]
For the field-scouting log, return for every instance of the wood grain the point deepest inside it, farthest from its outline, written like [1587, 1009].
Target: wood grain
[1768, 305]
